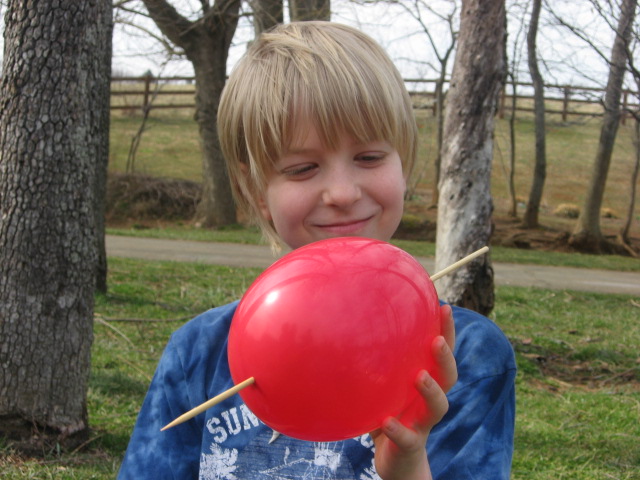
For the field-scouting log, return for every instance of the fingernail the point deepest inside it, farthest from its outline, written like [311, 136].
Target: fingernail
[390, 425]
[426, 379]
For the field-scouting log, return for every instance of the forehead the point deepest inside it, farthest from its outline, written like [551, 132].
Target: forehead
[307, 129]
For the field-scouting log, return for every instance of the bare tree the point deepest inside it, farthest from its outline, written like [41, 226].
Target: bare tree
[205, 42]
[623, 235]
[54, 133]
[302, 10]
[530, 219]
[266, 14]
[465, 206]
[443, 52]
[512, 73]
[587, 235]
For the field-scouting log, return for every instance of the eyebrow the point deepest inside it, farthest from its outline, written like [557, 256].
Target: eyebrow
[300, 151]
[294, 150]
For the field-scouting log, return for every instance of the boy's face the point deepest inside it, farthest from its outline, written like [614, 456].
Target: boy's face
[315, 193]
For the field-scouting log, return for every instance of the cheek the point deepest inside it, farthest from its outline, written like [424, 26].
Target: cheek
[394, 187]
[284, 205]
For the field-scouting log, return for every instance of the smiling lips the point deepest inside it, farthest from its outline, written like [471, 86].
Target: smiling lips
[348, 227]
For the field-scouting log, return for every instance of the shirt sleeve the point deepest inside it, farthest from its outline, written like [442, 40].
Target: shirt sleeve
[174, 453]
[475, 438]
[186, 376]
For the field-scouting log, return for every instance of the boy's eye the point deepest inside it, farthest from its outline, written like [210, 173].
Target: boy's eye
[299, 170]
[370, 157]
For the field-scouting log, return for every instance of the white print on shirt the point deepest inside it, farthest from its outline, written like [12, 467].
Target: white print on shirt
[232, 423]
[284, 459]
[220, 464]
[324, 465]
[366, 441]
[370, 473]
[324, 457]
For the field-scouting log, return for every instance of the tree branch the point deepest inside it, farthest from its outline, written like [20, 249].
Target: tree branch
[169, 21]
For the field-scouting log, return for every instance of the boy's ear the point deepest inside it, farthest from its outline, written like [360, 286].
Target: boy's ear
[264, 208]
[261, 202]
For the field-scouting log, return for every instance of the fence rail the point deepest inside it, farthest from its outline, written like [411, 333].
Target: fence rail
[149, 93]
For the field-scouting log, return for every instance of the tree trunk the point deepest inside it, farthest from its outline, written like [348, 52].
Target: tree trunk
[624, 230]
[530, 219]
[266, 14]
[217, 206]
[587, 235]
[54, 139]
[465, 206]
[206, 43]
[513, 200]
[303, 10]
[437, 162]
[103, 71]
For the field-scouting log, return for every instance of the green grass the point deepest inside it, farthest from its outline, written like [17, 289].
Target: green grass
[170, 147]
[578, 386]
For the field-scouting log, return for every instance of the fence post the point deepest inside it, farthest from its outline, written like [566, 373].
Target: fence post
[503, 96]
[565, 103]
[147, 91]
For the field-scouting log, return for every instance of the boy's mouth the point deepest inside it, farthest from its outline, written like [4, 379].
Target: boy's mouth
[348, 227]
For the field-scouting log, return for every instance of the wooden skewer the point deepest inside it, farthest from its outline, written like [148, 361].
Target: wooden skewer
[209, 403]
[251, 380]
[459, 263]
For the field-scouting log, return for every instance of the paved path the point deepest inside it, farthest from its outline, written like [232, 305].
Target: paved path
[238, 255]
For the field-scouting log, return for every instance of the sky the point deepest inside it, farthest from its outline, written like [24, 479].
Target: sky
[565, 59]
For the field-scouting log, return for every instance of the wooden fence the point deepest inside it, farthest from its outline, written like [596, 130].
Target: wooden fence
[143, 94]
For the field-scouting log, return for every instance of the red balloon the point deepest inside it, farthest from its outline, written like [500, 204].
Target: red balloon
[335, 334]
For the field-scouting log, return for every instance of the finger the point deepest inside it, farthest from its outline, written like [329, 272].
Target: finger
[376, 433]
[403, 437]
[434, 397]
[448, 325]
[447, 370]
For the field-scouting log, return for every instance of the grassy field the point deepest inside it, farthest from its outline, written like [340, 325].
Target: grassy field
[170, 148]
[578, 386]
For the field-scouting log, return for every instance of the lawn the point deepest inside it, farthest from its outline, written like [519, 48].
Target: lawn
[170, 147]
[578, 386]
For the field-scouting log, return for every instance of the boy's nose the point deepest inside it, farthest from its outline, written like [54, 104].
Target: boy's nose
[341, 190]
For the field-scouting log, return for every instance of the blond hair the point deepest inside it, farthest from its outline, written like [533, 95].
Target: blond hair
[330, 75]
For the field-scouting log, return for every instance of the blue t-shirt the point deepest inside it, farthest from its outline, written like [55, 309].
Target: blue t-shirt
[474, 440]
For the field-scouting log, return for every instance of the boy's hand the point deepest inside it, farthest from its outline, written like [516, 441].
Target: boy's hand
[400, 450]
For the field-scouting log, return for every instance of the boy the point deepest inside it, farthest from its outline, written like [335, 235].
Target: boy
[319, 137]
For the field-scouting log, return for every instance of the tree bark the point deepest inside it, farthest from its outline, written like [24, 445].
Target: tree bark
[266, 15]
[587, 235]
[626, 227]
[437, 162]
[206, 44]
[54, 139]
[531, 215]
[513, 200]
[465, 205]
[304, 10]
